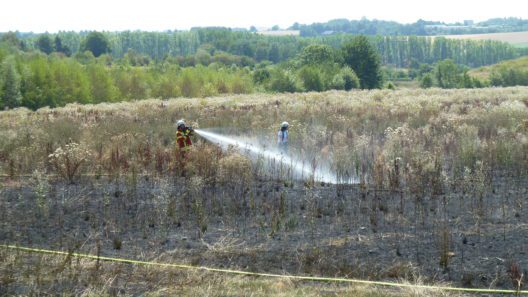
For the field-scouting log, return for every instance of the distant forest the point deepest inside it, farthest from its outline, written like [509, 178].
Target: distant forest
[419, 28]
[39, 70]
[209, 44]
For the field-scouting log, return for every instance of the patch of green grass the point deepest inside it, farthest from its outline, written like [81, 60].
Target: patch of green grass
[485, 72]
[521, 45]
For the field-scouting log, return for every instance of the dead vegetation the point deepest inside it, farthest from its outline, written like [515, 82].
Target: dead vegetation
[442, 186]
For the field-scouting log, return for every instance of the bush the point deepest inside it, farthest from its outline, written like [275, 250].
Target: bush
[235, 169]
[261, 76]
[283, 81]
[337, 83]
[350, 78]
[509, 77]
[67, 161]
[311, 79]
[427, 81]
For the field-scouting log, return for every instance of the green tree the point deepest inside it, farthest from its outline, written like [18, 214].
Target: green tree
[102, 85]
[282, 81]
[10, 88]
[466, 81]
[37, 83]
[447, 74]
[427, 81]
[261, 76]
[316, 54]
[274, 53]
[71, 82]
[362, 57]
[345, 79]
[97, 43]
[61, 48]
[45, 44]
[311, 78]
[12, 39]
[350, 78]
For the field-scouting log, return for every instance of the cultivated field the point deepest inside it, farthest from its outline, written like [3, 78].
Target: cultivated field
[442, 183]
[280, 33]
[516, 38]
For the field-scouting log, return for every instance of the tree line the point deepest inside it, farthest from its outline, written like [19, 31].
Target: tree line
[36, 78]
[55, 73]
[419, 28]
[400, 51]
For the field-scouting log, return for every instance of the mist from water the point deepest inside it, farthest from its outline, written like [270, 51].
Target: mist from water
[299, 169]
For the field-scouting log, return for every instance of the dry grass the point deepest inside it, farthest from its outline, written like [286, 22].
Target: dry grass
[35, 275]
[423, 157]
[460, 126]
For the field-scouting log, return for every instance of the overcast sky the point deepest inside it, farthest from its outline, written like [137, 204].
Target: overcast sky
[158, 15]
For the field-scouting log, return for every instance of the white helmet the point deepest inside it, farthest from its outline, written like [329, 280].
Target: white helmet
[180, 123]
[285, 125]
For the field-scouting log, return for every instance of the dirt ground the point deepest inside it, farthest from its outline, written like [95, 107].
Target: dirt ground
[279, 227]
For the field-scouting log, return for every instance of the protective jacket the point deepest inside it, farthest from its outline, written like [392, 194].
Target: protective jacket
[282, 137]
[183, 138]
[282, 140]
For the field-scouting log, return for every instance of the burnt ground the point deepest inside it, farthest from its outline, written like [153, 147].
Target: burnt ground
[292, 228]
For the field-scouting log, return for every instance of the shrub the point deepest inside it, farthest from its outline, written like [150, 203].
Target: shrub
[235, 169]
[426, 82]
[283, 81]
[311, 79]
[68, 160]
[350, 78]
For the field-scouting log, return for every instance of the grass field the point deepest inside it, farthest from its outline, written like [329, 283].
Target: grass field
[484, 73]
[51, 275]
[519, 39]
[442, 181]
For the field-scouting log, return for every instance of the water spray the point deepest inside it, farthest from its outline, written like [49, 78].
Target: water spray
[300, 169]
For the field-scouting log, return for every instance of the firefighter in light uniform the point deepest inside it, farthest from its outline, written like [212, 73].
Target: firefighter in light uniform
[282, 138]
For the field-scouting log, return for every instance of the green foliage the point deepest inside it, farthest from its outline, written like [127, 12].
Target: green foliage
[310, 77]
[316, 54]
[85, 58]
[274, 54]
[45, 44]
[362, 57]
[426, 81]
[421, 27]
[102, 85]
[59, 47]
[447, 74]
[283, 81]
[466, 81]
[346, 79]
[399, 51]
[97, 43]
[509, 77]
[10, 87]
[208, 62]
[12, 40]
[261, 76]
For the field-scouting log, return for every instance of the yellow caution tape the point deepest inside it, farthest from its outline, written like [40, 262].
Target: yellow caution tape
[240, 272]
